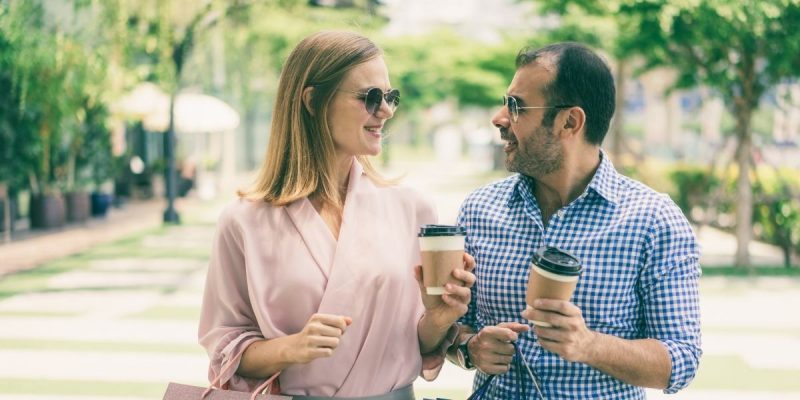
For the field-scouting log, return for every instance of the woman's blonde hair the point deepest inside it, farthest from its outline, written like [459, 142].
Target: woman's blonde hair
[301, 160]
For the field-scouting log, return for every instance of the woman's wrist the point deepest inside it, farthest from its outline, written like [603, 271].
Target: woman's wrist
[438, 323]
[287, 351]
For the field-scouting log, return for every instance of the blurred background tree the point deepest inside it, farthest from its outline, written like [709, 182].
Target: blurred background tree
[65, 65]
[739, 50]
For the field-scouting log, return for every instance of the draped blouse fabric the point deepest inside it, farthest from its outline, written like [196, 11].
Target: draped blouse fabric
[273, 267]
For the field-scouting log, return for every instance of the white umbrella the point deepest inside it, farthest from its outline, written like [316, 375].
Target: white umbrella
[194, 113]
[143, 100]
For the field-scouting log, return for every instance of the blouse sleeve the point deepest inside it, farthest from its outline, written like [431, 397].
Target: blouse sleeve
[227, 321]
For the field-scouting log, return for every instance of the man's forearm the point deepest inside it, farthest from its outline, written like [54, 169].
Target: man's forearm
[640, 362]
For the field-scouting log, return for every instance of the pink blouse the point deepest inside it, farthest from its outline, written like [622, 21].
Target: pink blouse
[273, 267]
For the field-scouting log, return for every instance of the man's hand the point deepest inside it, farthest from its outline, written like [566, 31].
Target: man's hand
[454, 303]
[492, 349]
[568, 337]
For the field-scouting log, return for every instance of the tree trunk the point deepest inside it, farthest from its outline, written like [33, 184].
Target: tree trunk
[744, 202]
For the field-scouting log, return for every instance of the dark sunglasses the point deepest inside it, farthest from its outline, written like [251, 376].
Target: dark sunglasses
[374, 97]
[513, 107]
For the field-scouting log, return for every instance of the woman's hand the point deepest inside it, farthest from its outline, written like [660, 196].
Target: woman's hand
[447, 309]
[319, 338]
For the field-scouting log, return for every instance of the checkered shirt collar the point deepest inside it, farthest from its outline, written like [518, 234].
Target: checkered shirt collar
[605, 182]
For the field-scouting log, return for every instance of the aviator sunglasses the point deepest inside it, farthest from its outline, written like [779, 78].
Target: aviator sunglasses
[513, 107]
[374, 97]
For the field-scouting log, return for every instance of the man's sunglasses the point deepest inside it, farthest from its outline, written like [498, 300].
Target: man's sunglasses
[513, 107]
[374, 97]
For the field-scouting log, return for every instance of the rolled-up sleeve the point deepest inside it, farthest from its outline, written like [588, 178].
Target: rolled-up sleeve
[670, 293]
[227, 321]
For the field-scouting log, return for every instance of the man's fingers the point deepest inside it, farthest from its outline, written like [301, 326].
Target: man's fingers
[502, 332]
[558, 306]
[515, 326]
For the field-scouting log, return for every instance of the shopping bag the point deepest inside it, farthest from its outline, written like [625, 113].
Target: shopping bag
[178, 391]
[517, 365]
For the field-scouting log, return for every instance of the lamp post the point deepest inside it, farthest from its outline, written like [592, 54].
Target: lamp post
[171, 215]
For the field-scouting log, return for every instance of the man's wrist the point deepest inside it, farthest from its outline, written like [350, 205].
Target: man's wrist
[462, 356]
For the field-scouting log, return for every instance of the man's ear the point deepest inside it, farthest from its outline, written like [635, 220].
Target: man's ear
[574, 121]
[308, 95]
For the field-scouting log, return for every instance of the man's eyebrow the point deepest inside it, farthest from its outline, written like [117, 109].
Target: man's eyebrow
[520, 100]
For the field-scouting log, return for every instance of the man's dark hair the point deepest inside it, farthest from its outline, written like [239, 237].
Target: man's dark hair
[582, 79]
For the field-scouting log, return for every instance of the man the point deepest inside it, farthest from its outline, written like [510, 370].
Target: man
[634, 319]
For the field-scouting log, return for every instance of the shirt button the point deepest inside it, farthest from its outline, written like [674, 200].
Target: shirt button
[560, 213]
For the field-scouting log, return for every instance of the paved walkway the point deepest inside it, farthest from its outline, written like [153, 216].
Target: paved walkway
[119, 320]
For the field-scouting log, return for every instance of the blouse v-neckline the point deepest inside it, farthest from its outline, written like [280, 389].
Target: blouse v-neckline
[316, 233]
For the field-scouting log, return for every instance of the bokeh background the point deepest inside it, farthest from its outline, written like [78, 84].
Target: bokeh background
[108, 201]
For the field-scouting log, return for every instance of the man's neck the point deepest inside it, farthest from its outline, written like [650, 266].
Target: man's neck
[561, 187]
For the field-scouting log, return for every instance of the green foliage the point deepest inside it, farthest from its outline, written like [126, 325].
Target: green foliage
[776, 215]
[95, 156]
[777, 211]
[52, 77]
[442, 65]
[694, 186]
[739, 49]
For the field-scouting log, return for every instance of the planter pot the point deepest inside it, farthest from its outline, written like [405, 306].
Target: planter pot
[100, 204]
[47, 211]
[78, 206]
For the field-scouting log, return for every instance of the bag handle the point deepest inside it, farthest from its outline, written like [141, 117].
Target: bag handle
[259, 390]
[519, 360]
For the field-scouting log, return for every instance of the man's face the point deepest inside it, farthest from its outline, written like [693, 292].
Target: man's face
[531, 148]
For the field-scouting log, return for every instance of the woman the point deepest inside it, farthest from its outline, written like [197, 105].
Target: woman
[311, 269]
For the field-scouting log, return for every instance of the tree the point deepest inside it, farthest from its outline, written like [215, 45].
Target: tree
[738, 49]
[598, 24]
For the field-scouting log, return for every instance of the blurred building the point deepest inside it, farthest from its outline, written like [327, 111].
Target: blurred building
[482, 20]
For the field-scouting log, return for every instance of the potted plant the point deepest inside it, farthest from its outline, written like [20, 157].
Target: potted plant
[97, 157]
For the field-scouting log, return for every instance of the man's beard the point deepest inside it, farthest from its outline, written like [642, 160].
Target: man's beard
[537, 159]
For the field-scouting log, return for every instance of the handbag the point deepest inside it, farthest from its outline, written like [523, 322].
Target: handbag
[518, 362]
[178, 391]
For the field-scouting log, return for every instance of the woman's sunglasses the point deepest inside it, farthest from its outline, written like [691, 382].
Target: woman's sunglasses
[374, 97]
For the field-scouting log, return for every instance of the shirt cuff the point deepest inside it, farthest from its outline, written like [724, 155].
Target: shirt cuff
[433, 361]
[684, 363]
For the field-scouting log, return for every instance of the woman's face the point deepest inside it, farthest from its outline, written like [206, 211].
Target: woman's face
[355, 131]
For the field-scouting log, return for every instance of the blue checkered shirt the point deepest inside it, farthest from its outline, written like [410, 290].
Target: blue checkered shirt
[640, 277]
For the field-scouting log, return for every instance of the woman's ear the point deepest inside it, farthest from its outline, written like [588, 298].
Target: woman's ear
[308, 95]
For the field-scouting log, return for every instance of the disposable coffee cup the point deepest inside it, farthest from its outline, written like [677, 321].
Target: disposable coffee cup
[442, 248]
[554, 275]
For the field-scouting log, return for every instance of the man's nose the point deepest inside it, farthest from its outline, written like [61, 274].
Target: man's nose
[500, 119]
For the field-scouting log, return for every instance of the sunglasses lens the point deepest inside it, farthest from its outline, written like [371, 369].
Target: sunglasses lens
[511, 103]
[373, 100]
[392, 98]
